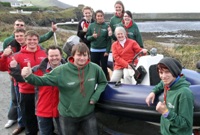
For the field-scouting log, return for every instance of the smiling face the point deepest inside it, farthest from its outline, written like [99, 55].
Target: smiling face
[54, 57]
[126, 17]
[120, 33]
[31, 42]
[99, 17]
[87, 13]
[20, 38]
[166, 76]
[118, 9]
[80, 59]
[19, 24]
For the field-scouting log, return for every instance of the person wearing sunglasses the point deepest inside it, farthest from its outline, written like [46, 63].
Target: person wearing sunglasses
[20, 24]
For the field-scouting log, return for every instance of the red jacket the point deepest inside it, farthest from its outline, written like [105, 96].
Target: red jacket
[23, 57]
[124, 55]
[47, 97]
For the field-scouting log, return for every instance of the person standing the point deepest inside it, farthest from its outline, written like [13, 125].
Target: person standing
[99, 34]
[80, 83]
[47, 96]
[131, 28]
[118, 16]
[30, 53]
[178, 104]
[84, 24]
[19, 24]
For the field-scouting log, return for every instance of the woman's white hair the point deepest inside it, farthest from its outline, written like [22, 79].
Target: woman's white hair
[120, 29]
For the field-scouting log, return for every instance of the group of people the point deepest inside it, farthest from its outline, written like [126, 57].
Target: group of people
[45, 87]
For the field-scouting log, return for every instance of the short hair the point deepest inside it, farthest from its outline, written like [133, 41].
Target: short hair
[129, 13]
[120, 28]
[80, 47]
[120, 3]
[19, 30]
[99, 11]
[32, 33]
[19, 20]
[87, 7]
[54, 47]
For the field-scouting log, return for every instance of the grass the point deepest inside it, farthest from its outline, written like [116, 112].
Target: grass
[188, 55]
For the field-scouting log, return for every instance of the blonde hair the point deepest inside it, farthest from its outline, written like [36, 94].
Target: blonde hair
[87, 7]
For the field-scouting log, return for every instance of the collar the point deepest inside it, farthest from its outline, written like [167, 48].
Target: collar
[122, 42]
[49, 66]
[174, 81]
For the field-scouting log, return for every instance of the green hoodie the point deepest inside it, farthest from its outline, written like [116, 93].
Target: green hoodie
[43, 38]
[115, 21]
[180, 103]
[134, 33]
[103, 40]
[76, 87]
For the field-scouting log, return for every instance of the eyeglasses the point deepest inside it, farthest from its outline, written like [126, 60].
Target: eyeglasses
[19, 25]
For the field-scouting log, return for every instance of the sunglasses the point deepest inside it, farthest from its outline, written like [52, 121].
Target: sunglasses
[19, 24]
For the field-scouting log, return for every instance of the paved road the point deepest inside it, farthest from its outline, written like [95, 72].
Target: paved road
[5, 101]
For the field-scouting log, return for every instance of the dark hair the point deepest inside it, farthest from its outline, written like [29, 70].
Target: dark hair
[129, 13]
[80, 47]
[161, 66]
[99, 11]
[120, 3]
[54, 47]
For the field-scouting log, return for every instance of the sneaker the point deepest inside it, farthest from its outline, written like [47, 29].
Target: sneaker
[10, 123]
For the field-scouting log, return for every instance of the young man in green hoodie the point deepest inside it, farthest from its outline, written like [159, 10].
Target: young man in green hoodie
[80, 83]
[177, 106]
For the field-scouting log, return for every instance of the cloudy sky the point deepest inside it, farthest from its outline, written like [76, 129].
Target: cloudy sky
[142, 6]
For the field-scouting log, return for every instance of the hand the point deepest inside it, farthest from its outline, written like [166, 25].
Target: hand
[161, 107]
[105, 54]
[85, 29]
[144, 51]
[92, 102]
[26, 71]
[13, 63]
[150, 98]
[7, 51]
[54, 27]
[109, 31]
[94, 34]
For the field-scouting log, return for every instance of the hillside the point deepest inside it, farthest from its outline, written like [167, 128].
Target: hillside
[43, 3]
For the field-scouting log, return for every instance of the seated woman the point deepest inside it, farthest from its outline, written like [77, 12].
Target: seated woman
[124, 50]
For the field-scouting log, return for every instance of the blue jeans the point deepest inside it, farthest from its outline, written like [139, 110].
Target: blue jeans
[46, 126]
[19, 119]
[87, 124]
[12, 113]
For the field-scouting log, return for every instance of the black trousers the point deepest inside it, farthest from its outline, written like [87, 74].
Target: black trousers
[27, 105]
[101, 60]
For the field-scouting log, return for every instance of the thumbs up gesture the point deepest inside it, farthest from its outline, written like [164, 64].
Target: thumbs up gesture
[109, 31]
[84, 28]
[94, 34]
[54, 27]
[13, 63]
[26, 71]
[7, 51]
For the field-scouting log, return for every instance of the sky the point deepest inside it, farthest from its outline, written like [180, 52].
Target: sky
[142, 6]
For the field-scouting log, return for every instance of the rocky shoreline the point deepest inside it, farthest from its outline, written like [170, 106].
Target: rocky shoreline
[180, 37]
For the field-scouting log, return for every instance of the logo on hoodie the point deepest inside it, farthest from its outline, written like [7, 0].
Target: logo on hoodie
[170, 105]
[91, 79]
